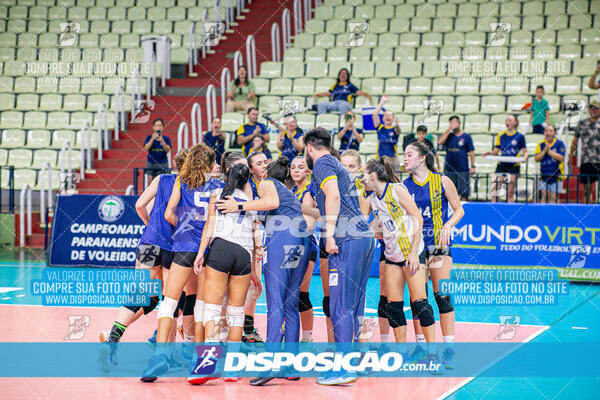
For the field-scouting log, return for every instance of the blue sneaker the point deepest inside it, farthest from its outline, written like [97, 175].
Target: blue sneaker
[433, 362]
[107, 359]
[448, 358]
[158, 365]
[418, 356]
[151, 341]
[336, 380]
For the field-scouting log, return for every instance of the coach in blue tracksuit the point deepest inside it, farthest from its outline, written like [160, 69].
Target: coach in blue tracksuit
[349, 240]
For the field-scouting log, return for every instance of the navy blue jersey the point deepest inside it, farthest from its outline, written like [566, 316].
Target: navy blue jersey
[457, 149]
[253, 185]
[157, 154]
[192, 211]
[301, 192]
[246, 130]
[342, 92]
[217, 143]
[348, 141]
[289, 207]
[288, 149]
[431, 200]
[351, 224]
[510, 144]
[159, 231]
[388, 140]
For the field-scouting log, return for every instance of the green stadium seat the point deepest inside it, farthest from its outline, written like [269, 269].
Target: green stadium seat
[419, 86]
[568, 85]
[590, 35]
[382, 54]
[568, 37]
[473, 53]
[156, 13]
[270, 69]
[59, 137]
[571, 51]
[443, 86]
[335, 67]
[400, 25]
[591, 51]
[84, 3]
[136, 14]
[57, 120]
[516, 101]
[359, 54]
[47, 40]
[373, 86]
[414, 104]
[14, 68]
[38, 139]
[410, 39]
[396, 86]
[94, 102]
[405, 122]
[12, 138]
[432, 39]
[303, 86]
[69, 84]
[475, 39]
[4, 161]
[116, 14]
[34, 120]
[364, 12]
[336, 54]
[261, 86]
[305, 121]
[493, 104]
[477, 123]
[323, 84]
[328, 121]
[343, 12]
[324, 40]
[467, 87]
[454, 39]
[38, 12]
[335, 26]
[580, 21]
[7, 101]
[435, 69]
[388, 40]
[293, 70]
[269, 104]
[281, 86]
[379, 25]
[27, 102]
[6, 84]
[73, 102]
[27, 40]
[395, 104]
[384, 11]
[314, 69]
[443, 24]
[521, 38]
[464, 24]
[293, 55]
[445, 10]
[498, 123]
[11, 120]
[121, 27]
[466, 104]
[314, 26]
[516, 86]
[17, 12]
[142, 27]
[176, 13]
[79, 118]
[88, 41]
[8, 39]
[582, 67]
[324, 12]
[427, 54]
[363, 69]
[70, 55]
[450, 53]
[37, 26]
[314, 54]
[305, 41]
[96, 14]
[386, 69]
[497, 53]
[24, 177]
[520, 53]
[20, 158]
[405, 10]
[23, 84]
[558, 22]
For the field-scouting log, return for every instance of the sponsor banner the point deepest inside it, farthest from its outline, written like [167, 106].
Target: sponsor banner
[531, 235]
[497, 359]
[95, 230]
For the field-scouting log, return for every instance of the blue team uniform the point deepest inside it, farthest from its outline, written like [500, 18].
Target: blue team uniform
[287, 256]
[300, 193]
[159, 231]
[431, 200]
[349, 268]
[253, 184]
[246, 130]
[216, 143]
[388, 139]
[192, 211]
[288, 149]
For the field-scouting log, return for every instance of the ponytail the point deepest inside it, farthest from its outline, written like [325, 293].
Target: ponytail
[279, 169]
[236, 179]
[383, 168]
[423, 150]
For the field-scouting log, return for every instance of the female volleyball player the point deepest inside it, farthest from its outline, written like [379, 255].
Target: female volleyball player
[234, 238]
[288, 245]
[154, 252]
[186, 210]
[300, 175]
[401, 223]
[432, 193]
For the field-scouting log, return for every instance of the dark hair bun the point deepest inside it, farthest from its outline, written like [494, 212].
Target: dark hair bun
[283, 160]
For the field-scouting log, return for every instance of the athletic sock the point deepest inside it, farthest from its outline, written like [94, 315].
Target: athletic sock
[116, 332]
[248, 324]
[307, 334]
[188, 338]
[449, 341]
[385, 337]
[421, 338]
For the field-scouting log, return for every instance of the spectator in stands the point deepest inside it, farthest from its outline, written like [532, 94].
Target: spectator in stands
[340, 95]
[388, 132]
[459, 149]
[594, 83]
[215, 139]
[158, 146]
[259, 145]
[241, 92]
[540, 111]
[509, 143]
[290, 141]
[250, 130]
[349, 135]
[423, 137]
[588, 131]
[550, 153]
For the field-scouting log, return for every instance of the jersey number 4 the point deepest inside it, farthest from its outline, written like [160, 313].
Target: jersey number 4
[426, 213]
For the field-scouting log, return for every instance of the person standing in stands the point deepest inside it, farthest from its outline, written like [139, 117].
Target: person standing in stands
[158, 146]
[588, 131]
[215, 139]
[240, 93]
[340, 95]
[388, 133]
[459, 149]
[250, 130]
[423, 137]
[550, 153]
[350, 136]
[540, 111]
[290, 143]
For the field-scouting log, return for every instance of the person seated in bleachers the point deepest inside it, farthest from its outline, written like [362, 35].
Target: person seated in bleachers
[588, 131]
[260, 146]
[509, 143]
[250, 130]
[215, 139]
[540, 111]
[290, 141]
[388, 133]
[349, 135]
[340, 95]
[241, 93]
[459, 145]
[424, 137]
[550, 153]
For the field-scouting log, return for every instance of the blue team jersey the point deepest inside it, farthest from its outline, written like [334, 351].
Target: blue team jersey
[430, 198]
[246, 130]
[192, 211]
[510, 145]
[457, 149]
[550, 169]
[348, 141]
[289, 207]
[351, 224]
[343, 92]
[216, 143]
[388, 139]
[265, 151]
[159, 231]
[288, 149]
[253, 185]
[301, 192]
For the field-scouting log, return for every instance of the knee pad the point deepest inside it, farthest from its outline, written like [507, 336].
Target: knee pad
[190, 302]
[443, 303]
[180, 305]
[381, 308]
[235, 317]
[135, 309]
[167, 308]
[198, 311]
[395, 313]
[212, 312]
[253, 294]
[422, 310]
[326, 306]
[153, 303]
[304, 304]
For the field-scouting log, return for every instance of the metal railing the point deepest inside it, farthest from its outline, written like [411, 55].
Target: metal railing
[103, 126]
[211, 103]
[196, 118]
[251, 56]
[146, 171]
[66, 145]
[183, 133]
[204, 42]
[11, 189]
[26, 190]
[225, 80]
[129, 190]
[238, 61]
[119, 113]
[286, 29]
[298, 28]
[136, 92]
[275, 43]
[307, 10]
[45, 168]
[193, 48]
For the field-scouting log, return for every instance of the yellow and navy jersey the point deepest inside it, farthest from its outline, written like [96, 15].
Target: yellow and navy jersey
[342, 92]
[398, 229]
[360, 187]
[387, 139]
[431, 200]
[551, 170]
[300, 192]
[246, 130]
[510, 144]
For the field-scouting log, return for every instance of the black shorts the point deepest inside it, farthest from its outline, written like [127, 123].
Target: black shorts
[185, 258]
[462, 182]
[228, 257]
[396, 263]
[502, 168]
[590, 169]
[150, 255]
[381, 251]
[538, 129]
[437, 252]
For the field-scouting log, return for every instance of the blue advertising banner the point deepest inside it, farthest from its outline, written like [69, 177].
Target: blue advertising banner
[95, 230]
[531, 235]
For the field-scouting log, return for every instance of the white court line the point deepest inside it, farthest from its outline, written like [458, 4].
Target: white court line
[6, 289]
[467, 380]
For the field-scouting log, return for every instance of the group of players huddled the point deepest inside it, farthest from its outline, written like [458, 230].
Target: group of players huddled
[232, 223]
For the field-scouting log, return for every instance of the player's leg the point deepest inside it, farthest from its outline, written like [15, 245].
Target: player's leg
[191, 288]
[394, 282]
[215, 283]
[304, 305]
[512, 185]
[178, 277]
[199, 307]
[384, 323]
[276, 279]
[324, 272]
[250, 332]
[446, 310]
[366, 258]
[292, 296]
